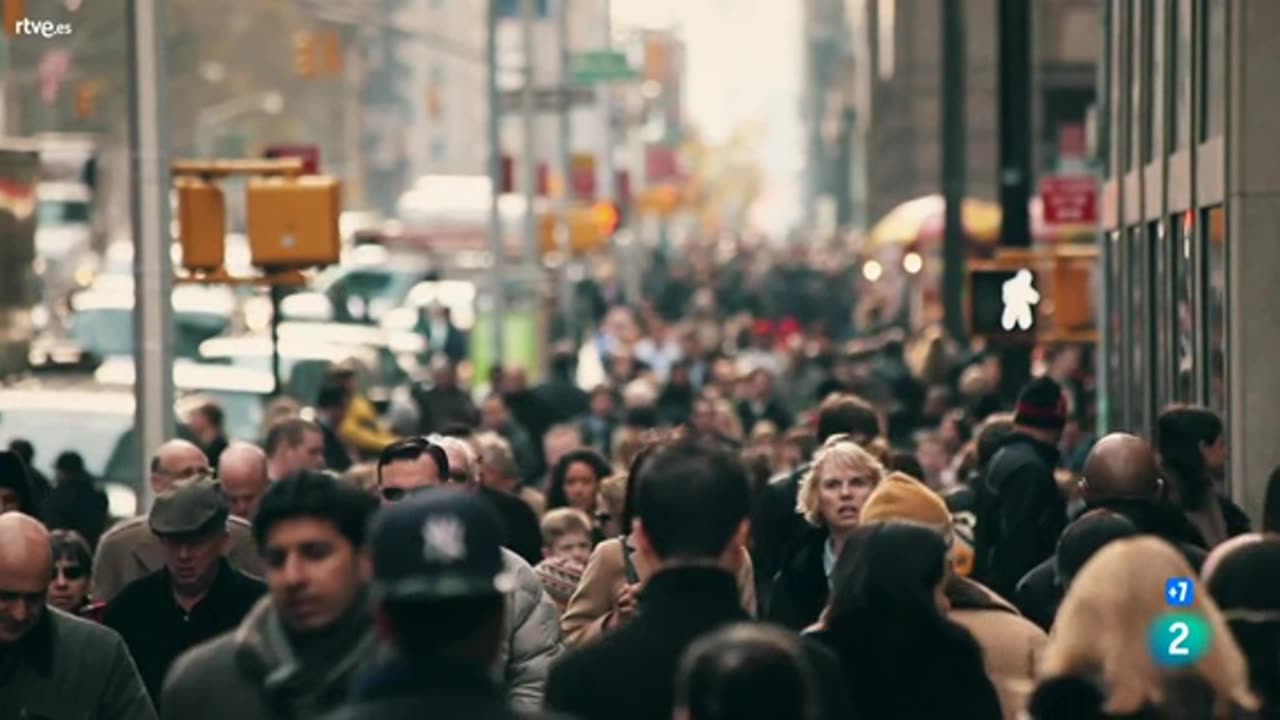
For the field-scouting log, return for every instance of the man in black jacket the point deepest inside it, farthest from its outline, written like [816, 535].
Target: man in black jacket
[1021, 512]
[692, 501]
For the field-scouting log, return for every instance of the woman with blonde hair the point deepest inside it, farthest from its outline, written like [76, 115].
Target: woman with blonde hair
[1099, 662]
[830, 498]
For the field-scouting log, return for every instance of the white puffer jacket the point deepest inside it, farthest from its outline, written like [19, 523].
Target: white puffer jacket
[532, 639]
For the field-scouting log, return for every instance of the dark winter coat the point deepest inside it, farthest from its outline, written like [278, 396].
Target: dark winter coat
[776, 527]
[801, 589]
[442, 691]
[66, 668]
[77, 504]
[1076, 697]
[629, 674]
[1021, 513]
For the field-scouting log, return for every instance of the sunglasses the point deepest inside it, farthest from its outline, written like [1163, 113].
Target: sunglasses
[71, 572]
[393, 494]
[604, 517]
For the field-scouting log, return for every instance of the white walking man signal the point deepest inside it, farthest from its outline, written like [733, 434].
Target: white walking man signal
[1020, 296]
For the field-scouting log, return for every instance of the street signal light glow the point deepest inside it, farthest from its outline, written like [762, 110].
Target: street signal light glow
[607, 217]
[912, 263]
[871, 270]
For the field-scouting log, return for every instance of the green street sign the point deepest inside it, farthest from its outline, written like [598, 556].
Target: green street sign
[602, 66]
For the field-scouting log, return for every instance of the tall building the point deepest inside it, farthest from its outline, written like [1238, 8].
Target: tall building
[1187, 137]
[897, 51]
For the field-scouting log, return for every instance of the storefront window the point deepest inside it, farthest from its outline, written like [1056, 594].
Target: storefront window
[1161, 290]
[1214, 232]
[1115, 334]
[1214, 44]
[1183, 307]
[1180, 59]
[1139, 301]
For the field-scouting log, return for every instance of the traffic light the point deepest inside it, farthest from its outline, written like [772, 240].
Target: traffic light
[293, 222]
[202, 224]
[608, 217]
[331, 45]
[86, 101]
[305, 53]
[1073, 308]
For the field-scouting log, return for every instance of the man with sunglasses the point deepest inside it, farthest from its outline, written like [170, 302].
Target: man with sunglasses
[129, 550]
[54, 665]
[531, 630]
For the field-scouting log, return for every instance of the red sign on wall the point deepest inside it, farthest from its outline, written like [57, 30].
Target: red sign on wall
[1070, 199]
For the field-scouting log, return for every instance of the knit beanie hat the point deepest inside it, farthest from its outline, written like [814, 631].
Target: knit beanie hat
[1042, 405]
[902, 497]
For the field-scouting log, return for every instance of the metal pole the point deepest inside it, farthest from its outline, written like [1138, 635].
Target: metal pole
[605, 189]
[496, 244]
[529, 163]
[954, 166]
[567, 302]
[352, 131]
[149, 203]
[1015, 158]
[277, 296]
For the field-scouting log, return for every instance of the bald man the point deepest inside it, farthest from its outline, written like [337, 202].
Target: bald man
[242, 468]
[129, 550]
[56, 665]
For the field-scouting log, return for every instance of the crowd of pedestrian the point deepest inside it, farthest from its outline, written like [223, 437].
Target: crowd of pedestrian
[732, 502]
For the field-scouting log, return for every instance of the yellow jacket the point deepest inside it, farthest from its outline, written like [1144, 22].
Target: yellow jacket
[362, 429]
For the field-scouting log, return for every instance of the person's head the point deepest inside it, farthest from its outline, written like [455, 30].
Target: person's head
[440, 578]
[494, 413]
[691, 503]
[26, 564]
[464, 466]
[705, 416]
[310, 530]
[796, 448]
[409, 465]
[294, 444]
[760, 385]
[564, 363]
[1120, 467]
[190, 520]
[23, 449]
[746, 671]
[72, 563]
[499, 469]
[889, 580]
[176, 460]
[560, 439]
[443, 374]
[575, 480]
[15, 484]
[991, 434]
[1103, 629]
[603, 402]
[566, 532]
[1243, 582]
[206, 421]
[833, 491]
[1192, 449]
[610, 504]
[1084, 537]
[845, 414]
[68, 465]
[955, 430]
[242, 470]
[1041, 411]
[332, 401]
[514, 380]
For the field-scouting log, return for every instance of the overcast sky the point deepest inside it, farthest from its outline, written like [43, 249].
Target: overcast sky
[750, 73]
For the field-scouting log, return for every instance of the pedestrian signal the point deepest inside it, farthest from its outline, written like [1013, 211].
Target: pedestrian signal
[293, 222]
[202, 224]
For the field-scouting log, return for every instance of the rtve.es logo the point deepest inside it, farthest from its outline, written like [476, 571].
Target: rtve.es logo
[43, 28]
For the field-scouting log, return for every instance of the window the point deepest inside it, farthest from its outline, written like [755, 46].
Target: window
[1139, 296]
[1153, 71]
[886, 25]
[1115, 86]
[1114, 409]
[1180, 60]
[1213, 230]
[1161, 291]
[1136, 65]
[1183, 307]
[1214, 67]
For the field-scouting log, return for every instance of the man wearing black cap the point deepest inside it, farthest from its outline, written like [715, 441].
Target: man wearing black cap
[196, 596]
[439, 583]
[1020, 510]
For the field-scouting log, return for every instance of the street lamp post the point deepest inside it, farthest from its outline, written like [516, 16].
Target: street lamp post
[209, 119]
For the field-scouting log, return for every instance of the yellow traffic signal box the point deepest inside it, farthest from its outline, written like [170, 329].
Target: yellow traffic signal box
[293, 222]
[202, 224]
[305, 54]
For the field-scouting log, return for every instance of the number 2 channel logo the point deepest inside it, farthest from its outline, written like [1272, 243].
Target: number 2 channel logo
[1179, 639]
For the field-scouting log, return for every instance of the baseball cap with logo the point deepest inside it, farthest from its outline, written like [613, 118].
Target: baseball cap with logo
[436, 545]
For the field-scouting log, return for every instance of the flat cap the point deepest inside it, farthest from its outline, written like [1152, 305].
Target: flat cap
[194, 506]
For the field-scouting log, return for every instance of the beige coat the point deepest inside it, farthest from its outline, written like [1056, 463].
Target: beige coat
[1011, 645]
[129, 551]
[592, 604]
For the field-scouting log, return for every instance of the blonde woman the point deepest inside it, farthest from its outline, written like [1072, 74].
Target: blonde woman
[830, 498]
[1098, 663]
